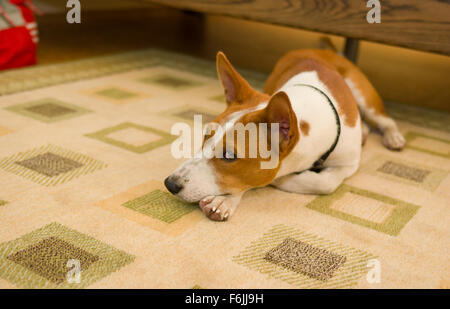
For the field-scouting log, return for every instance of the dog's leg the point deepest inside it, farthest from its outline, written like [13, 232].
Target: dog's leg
[392, 138]
[308, 182]
[220, 207]
[372, 111]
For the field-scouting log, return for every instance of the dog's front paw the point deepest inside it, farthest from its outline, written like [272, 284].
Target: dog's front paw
[219, 208]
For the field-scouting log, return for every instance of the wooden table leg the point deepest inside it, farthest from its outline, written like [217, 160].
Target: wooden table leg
[351, 49]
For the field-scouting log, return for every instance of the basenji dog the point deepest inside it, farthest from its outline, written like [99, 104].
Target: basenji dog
[317, 99]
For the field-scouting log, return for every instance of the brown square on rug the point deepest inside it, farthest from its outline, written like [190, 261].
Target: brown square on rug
[49, 164]
[48, 258]
[303, 258]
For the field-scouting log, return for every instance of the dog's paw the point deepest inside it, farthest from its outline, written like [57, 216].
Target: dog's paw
[393, 140]
[218, 208]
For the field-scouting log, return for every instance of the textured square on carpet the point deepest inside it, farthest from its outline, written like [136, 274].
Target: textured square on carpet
[302, 257]
[160, 205]
[173, 82]
[48, 110]
[43, 258]
[50, 165]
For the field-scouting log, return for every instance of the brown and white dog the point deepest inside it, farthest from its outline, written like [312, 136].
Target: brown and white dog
[314, 97]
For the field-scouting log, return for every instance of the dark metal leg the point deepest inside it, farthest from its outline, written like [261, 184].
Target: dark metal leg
[192, 29]
[351, 49]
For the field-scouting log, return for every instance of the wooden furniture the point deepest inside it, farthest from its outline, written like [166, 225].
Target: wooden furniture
[417, 24]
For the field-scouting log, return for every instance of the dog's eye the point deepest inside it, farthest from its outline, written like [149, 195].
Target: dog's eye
[229, 156]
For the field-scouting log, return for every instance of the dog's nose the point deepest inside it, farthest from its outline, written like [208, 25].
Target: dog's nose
[172, 186]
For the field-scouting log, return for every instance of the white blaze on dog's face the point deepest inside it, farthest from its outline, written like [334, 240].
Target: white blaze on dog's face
[209, 175]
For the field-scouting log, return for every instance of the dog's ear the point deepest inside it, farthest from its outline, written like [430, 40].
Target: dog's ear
[279, 110]
[236, 87]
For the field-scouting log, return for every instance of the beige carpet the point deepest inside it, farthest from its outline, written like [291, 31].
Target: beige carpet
[85, 145]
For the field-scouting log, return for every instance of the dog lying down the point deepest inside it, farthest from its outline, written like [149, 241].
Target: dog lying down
[311, 99]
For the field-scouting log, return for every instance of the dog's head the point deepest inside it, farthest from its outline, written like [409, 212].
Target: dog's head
[235, 167]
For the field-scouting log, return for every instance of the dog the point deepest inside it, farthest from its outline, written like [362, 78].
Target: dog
[317, 98]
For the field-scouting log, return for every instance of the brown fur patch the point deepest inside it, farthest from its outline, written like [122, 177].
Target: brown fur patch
[304, 127]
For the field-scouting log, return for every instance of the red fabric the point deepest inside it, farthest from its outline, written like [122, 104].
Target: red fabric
[17, 48]
[27, 13]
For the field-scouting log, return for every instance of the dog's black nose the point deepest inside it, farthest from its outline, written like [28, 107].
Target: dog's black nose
[172, 186]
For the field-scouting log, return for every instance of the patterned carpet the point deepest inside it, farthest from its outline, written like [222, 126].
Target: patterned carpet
[85, 146]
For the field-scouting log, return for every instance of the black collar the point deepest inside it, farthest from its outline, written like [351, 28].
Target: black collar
[318, 165]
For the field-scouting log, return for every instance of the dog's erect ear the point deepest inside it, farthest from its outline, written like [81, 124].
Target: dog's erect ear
[235, 86]
[279, 110]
